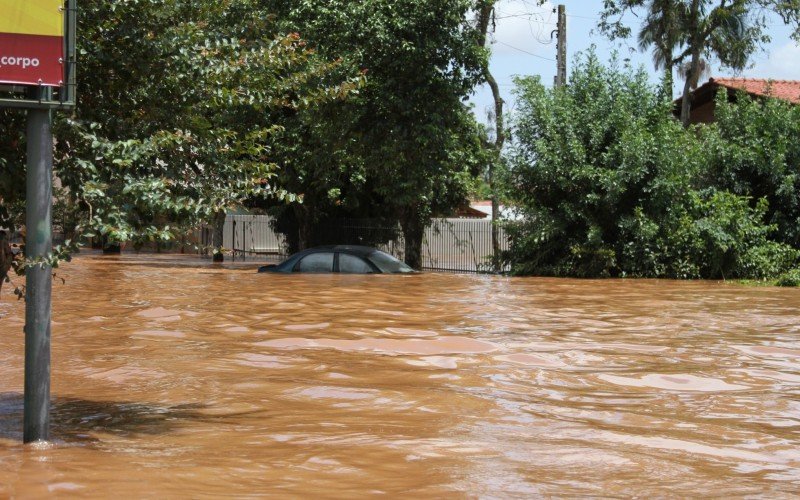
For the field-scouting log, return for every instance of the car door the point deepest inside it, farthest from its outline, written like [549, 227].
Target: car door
[319, 262]
[353, 264]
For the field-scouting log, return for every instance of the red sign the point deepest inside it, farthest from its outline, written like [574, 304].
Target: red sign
[31, 59]
[32, 42]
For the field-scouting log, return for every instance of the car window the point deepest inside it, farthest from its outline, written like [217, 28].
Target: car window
[388, 264]
[315, 263]
[352, 264]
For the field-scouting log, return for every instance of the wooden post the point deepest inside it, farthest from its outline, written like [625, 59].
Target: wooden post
[561, 54]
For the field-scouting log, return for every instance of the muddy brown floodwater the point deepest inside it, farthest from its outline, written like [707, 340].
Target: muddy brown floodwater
[175, 378]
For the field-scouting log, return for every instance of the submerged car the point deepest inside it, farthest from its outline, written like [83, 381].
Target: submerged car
[350, 259]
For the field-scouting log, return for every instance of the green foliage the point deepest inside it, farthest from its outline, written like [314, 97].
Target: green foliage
[790, 278]
[755, 153]
[177, 114]
[586, 159]
[406, 146]
[611, 185]
[729, 239]
[12, 166]
[159, 154]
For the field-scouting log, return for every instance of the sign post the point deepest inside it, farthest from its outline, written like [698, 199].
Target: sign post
[38, 278]
[37, 73]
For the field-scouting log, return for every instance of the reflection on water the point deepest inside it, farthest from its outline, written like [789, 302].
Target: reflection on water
[174, 377]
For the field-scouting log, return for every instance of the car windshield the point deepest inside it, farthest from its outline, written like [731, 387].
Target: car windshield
[388, 264]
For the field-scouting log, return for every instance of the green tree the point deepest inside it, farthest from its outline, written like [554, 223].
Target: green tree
[176, 119]
[317, 152]
[611, 185]
[416, 141]
[729, 31]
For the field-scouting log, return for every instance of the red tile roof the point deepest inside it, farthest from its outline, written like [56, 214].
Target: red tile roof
[788, 90]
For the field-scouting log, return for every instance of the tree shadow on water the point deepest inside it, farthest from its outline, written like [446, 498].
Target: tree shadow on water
[75, 420]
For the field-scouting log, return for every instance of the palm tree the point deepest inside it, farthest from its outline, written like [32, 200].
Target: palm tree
[722, 31]
[727, 30]
[661, 30]
[703, 71]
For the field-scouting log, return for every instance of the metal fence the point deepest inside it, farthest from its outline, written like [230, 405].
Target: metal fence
[461, 245]
[247, 236]
[453, 245]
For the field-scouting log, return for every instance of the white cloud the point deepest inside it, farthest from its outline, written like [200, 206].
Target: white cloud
[782, 63]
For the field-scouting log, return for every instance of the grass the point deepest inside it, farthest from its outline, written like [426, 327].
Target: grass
[788, 279]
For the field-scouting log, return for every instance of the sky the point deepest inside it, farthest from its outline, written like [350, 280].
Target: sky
[523, 46]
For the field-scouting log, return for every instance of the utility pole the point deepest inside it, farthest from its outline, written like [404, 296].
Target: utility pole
[561, 47]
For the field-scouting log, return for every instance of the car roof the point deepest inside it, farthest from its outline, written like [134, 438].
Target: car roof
[361, 251]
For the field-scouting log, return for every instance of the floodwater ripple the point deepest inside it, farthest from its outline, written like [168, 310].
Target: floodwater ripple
[176, 377]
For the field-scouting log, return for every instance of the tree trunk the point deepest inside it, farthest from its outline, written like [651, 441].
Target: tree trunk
[413, 233]
[304, 226]
[694, 67]
[5, 258]
[686, 101]
[499, 140]
[111, 248]
[668, 80]
[217, 236]
[70, 219]
[484, 16]
[495, 215]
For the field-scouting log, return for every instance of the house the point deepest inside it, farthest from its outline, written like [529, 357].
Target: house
[485, 207]
[703, 96]
[469, 212]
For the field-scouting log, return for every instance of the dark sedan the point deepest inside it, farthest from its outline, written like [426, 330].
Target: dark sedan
[350, 259]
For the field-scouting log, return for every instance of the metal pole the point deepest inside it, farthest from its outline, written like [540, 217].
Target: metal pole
[233, 240]
[38, 244]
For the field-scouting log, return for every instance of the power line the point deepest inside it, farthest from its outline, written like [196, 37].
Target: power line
[541, 27]
[537, 31]
[542, 11]
[524, 15]
[584, 17]
[525, 51]
[527, 17]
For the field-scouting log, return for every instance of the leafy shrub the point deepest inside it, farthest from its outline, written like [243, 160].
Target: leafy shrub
[610, 184]
[585, 159]
[790, 278]
[733, 239]
[754, 151]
